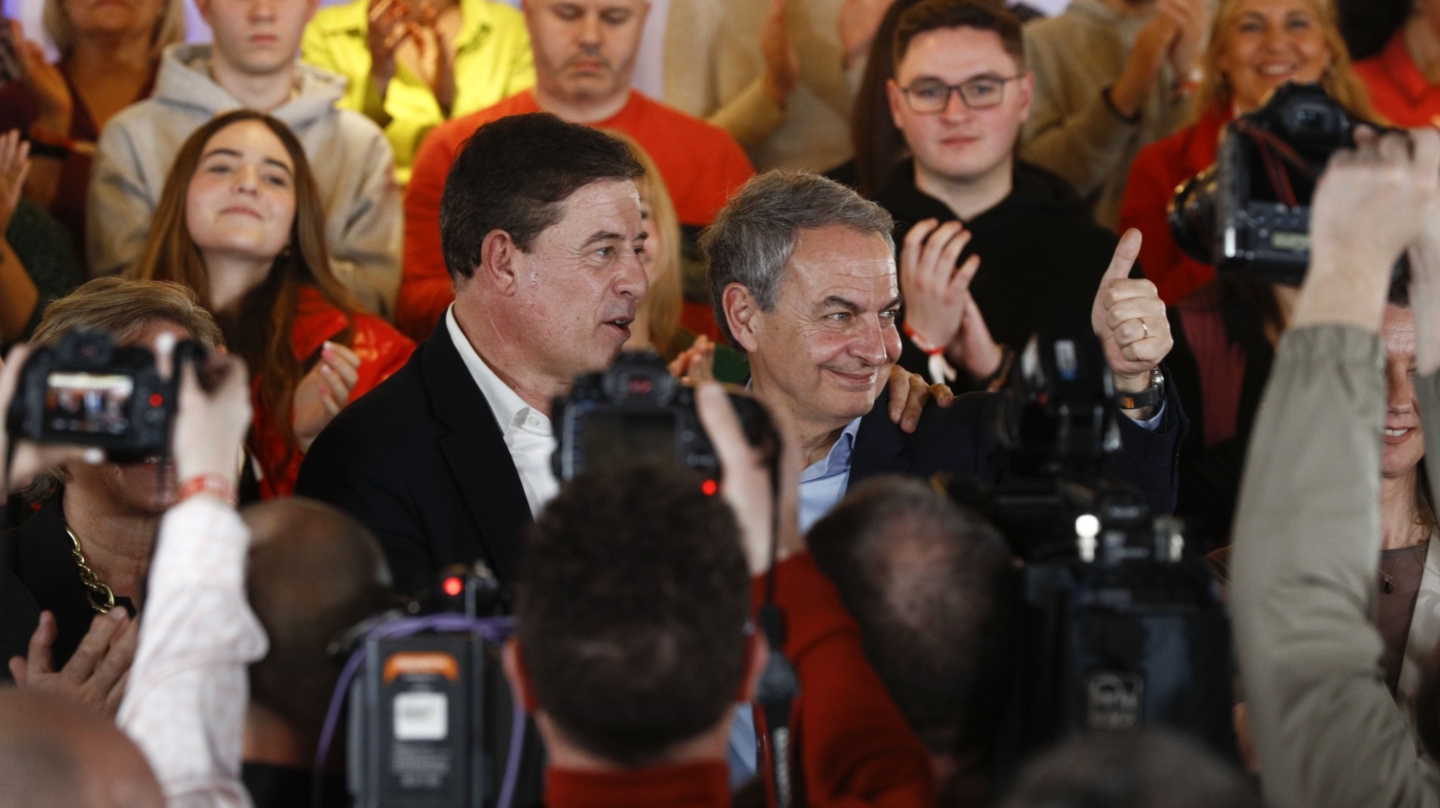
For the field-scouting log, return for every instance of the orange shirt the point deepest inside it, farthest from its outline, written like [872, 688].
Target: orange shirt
[701, 164]
[1398, 90]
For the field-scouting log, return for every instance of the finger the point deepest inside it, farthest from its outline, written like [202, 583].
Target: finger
[38, 661]
[1395, 147]
[118, 657]
[1122, 290]
[92, 647]
[17, 670]
[335, 384]
[347, 373]
[899, 387]
[1426, 147]
[966, 273]
[916, 398]
[937, 259]
[942, 395]
[914, 245]
[1124, 259]
[116, 695]
[1148, 309]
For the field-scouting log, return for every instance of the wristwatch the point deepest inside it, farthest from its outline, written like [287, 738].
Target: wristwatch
[1149, 397]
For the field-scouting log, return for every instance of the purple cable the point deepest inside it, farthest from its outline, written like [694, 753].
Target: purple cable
[494, 629]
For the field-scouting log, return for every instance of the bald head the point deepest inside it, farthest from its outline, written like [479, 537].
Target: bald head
[314, 572]
[54, 753]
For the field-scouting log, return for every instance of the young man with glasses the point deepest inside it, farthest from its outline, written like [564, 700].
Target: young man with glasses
[960, 96]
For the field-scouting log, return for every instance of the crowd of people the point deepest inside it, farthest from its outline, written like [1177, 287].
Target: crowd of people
[395, 233]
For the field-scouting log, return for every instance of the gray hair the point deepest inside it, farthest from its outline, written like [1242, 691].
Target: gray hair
[755, 233]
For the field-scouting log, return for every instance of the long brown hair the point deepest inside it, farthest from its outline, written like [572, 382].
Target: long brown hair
[260, 331]
[879, 145]
[1339, 80]
[665, 299]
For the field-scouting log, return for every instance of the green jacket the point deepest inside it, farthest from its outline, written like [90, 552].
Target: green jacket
[492, 62]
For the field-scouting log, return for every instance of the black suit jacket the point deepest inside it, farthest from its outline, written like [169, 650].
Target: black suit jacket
[421, 461]
[961, 439]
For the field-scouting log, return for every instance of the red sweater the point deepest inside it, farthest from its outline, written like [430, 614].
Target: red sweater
[1398, 90]
[382, 350]
[1157, 171]
[855, 747]
[701, 164]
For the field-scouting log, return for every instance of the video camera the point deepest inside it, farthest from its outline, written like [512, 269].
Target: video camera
[432, 721]
[89, 391]
[638, 411]
[1116, 626]
[1250, 212]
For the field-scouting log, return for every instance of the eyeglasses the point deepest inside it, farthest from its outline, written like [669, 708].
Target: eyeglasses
[927, 96]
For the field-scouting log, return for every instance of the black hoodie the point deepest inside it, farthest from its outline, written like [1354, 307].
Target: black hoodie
[1041, 256]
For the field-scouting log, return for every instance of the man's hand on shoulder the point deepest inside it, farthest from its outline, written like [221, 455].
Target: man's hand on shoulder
[909, 393]
[1129, 318]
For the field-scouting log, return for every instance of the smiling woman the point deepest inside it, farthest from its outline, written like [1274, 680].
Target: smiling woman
[240, 222]
[1255, 46]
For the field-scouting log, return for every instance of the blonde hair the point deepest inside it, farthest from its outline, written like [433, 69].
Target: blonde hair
[665, 299]
[1339, 79]
[169, 28]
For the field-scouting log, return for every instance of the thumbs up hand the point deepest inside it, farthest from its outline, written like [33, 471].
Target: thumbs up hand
[1129, 318]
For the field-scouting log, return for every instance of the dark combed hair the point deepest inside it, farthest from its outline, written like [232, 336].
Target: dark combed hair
[983, 15]
[513, 174]
[923, 578]
[1152, 769]
[632, 600]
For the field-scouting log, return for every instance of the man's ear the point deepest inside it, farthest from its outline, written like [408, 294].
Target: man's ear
[497, 269]
[757, 655]
[1027, 94]
[892, 91]
[742, 313]
[513, 661]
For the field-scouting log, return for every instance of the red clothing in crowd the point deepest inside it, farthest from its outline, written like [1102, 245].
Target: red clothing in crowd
[855, 747]
[702, 165]
[1398, 90]
[19, 109]
[1157, 171]
[382, 350]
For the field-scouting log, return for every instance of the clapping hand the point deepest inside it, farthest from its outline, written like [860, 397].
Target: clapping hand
[938, 306]
[324, 391]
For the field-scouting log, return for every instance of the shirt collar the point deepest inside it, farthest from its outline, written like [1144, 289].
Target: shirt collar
[838, 459]
[511, 411]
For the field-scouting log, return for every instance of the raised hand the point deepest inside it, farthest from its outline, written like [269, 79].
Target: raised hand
[909, 393]
[782, 62]
[697, 363]
[44, 81]
[389, 26]
[95, 674]
[937, 296]
[14, 165]
[1129, 318]
[324, 391]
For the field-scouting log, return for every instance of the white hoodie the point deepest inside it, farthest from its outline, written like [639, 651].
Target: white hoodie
[348, 154]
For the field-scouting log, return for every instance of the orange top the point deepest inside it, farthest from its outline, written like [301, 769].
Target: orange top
[701, 164]
[1398, 90]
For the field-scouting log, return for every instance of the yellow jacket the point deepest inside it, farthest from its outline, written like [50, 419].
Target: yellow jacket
[492, 62]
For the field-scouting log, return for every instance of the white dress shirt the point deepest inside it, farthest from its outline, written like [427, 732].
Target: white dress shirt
[527, 430]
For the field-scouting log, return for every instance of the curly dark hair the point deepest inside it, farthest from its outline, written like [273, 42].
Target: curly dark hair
[632, 599]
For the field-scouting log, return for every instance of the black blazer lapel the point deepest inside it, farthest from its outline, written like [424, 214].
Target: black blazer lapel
[476, 452]
[880, 446]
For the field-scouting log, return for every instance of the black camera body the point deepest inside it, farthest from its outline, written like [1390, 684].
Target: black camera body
[637, 411]
[1249, 213]
[1113, 625]
[87, 390]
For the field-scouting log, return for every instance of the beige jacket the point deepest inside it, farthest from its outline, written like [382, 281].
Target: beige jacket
[714, 70]
[1307, 544]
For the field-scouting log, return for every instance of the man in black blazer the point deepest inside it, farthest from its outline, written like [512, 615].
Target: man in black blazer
[803, 276]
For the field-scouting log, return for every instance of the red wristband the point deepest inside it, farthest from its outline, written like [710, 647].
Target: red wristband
[922, 343]
[213, 484]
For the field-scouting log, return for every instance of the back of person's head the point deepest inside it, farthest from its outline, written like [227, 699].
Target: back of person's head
[923, 578]
[936, 15]
[754, 235]
[632, 600]
[513, 175]
[56, 754]
[169, 26]
[313, 573]
[1152, 769]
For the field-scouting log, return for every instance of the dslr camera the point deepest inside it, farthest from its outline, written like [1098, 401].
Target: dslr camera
[87, 390]
[637, 411]
[1250, 212]
[1113, 625]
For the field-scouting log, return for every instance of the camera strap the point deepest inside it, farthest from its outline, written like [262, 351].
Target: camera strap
[779, 683]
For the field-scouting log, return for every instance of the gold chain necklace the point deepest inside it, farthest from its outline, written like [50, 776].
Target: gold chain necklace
[101, 597]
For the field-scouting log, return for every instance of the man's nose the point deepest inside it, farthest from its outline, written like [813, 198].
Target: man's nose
[262, 9]
[632, 279]
[955, 106]
[869, 343]
[590, 29]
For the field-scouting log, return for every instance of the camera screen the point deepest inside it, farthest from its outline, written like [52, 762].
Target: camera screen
[625, 438]
[87, 403]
